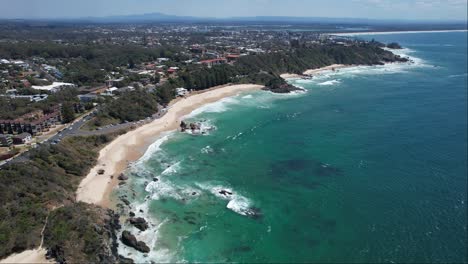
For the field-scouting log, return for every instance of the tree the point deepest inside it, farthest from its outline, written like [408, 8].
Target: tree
[68, 112]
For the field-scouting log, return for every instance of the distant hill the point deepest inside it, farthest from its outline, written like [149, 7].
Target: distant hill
[165, 18]
[161, 17]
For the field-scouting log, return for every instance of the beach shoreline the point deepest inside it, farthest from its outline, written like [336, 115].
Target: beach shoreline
[313, 72]
[114, 158]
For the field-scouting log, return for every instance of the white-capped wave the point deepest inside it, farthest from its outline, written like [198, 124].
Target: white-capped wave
[249, 96]
[171, 169]
[206, 150]
[331, 82]
[216, 107]
[236, 202]
[163, 188]
[239, 204]
[458, 75]
[153, 148]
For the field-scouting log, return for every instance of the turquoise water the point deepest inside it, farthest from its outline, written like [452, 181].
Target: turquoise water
[370, 165]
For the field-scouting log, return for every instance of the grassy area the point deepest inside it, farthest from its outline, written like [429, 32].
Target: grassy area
[99, 121]
[48, 179]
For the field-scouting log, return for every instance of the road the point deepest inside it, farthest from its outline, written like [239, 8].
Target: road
[74, 129]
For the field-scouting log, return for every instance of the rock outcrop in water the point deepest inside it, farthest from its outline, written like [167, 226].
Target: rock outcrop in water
[139, 222]
[283, 88]
[130, 240]
[122, 177]
[394, 45]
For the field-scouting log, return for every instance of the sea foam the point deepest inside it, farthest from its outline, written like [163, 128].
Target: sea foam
[331, 82]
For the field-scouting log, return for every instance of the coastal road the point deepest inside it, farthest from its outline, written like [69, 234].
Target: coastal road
[74, 129]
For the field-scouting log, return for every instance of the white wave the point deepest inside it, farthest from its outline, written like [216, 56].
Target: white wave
[331, 82]
[302, 81]
[236, 202]
[458, 75]
[216, 107]
[163, 188]
[239, 204]
[249, 96]
[171, 169]
[153, 148]
[206, 150]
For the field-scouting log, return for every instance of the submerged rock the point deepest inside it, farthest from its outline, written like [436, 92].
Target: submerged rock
[130, 240]
[127, 202]
[254, 212]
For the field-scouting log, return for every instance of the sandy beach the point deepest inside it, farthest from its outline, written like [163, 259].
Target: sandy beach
[115, 157]
[28, 256]
[313, 72]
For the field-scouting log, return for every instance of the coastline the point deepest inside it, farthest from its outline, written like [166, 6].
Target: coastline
[36, 255]
[313, 72]
[359, 33]
[116, 156]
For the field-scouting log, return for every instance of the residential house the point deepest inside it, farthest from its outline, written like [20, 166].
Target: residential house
[22, 138]
[5, 140]
[213, 62]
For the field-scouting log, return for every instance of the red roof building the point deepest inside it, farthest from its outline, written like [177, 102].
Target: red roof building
[212, 62]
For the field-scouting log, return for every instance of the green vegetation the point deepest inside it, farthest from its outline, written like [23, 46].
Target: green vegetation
[127, 107]
[265, 68]
[81, 233]
[11, 108]
[86, 64]
[30, 189]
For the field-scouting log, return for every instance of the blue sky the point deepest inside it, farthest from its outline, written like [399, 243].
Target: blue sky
[386, 9]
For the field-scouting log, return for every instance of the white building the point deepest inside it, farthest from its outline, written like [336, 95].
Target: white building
[181, 91]
[54, 87]
[110, 91]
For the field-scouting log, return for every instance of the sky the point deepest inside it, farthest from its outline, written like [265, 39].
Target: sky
[372, 9]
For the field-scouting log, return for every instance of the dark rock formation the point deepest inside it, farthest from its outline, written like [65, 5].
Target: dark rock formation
[130, 240]
[394, 45]
[139, 222]
[194, 126]
[183, 126]
[90, 234]
[122, 177]
[283, 88]
[101, 171]
[124, 260]
[125, 201]
[224, 192]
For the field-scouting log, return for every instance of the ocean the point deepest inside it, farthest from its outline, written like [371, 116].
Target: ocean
[368, 165]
